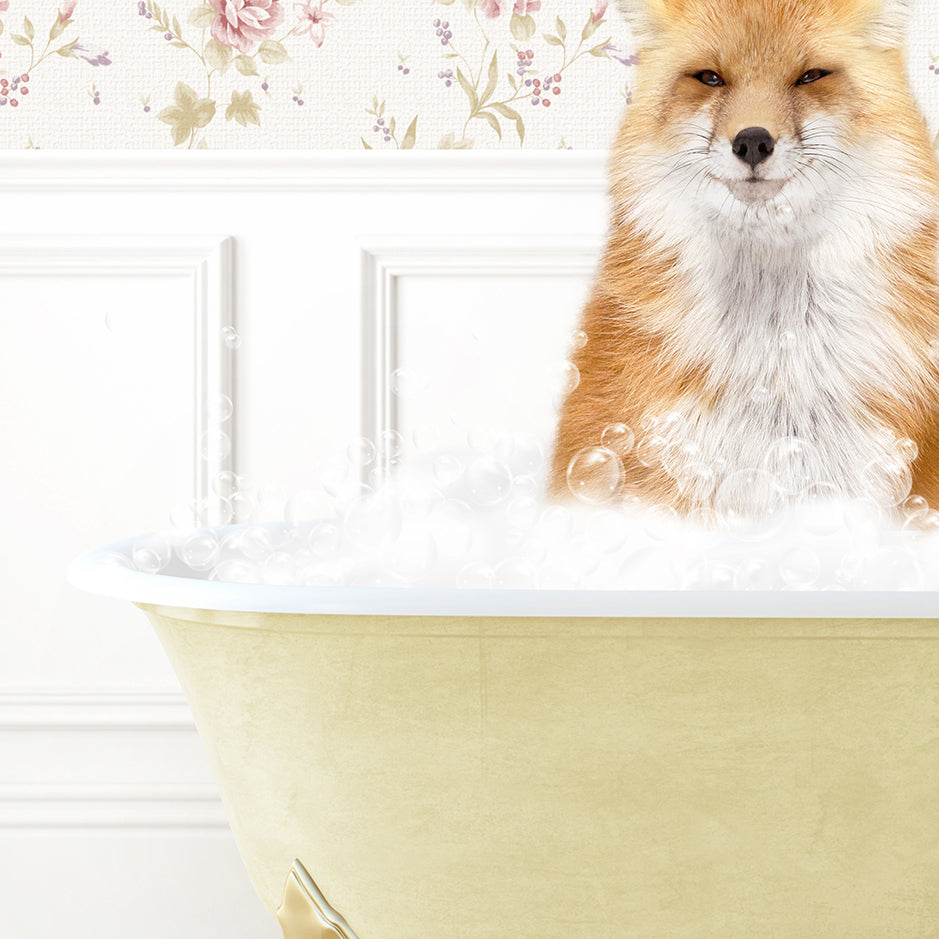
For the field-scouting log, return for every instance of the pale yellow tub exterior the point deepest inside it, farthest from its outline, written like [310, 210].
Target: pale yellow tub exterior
[538, 778]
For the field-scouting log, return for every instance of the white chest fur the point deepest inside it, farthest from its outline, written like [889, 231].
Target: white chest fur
[795, 340]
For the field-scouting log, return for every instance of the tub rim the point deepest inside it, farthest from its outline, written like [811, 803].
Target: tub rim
[95, 571]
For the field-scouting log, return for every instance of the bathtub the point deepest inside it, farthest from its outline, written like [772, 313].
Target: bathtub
[401, 764]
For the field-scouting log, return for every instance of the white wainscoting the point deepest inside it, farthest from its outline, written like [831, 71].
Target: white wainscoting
[118, 274]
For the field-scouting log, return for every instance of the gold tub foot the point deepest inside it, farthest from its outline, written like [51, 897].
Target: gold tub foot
[304, 913]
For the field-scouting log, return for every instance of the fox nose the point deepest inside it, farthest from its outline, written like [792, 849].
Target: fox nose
[754, 145]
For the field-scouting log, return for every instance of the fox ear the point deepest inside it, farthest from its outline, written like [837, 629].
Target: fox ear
[891, 19]
[644, 18]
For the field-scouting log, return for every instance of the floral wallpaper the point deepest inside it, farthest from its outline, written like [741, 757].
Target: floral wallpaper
[376, 74]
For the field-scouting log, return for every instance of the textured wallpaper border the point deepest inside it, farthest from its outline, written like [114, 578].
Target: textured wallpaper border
[305, 170]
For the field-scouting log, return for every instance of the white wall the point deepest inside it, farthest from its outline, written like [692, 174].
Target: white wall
[118, 273]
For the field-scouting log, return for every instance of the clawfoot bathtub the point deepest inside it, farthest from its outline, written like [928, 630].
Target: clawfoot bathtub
[539, 765]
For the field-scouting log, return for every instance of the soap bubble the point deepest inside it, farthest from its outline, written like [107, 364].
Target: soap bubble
[651, 449]
[220, 408]
[515, 574]
[746, 501]
[618, 438]
[425, 438]
[475, 576]
[278, 568]
[556, 523]
[150, 553]
[520, 453]
[888, 480]
[199, 550]
[824, 513]
[226, 483]
[361, 453]
[448, 470]
[236, 571]
[696, 482]
[390, 446]
[214, 444]
[408, 383]
[595, 475]
[231, 338]
[413, 554]
[307, 505]
[795, 464]
[800, 568]
[915, 509]
[373, 522]
[321, 575]
[324, 539]
[488, 481]
[243, 504]
[481, 439]
[755, 574]
[451, 525]
[760, 395]
[578, 339]
[569, 378]
[677, 457]
[906, 449]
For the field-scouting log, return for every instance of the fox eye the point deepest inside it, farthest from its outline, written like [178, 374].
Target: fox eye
[813, 75]
[708, 77]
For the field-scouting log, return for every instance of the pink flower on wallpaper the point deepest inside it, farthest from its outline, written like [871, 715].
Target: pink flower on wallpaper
[244, 23]
[599, 10]
[491, 8]
[4, 5]
[524, 7]
[68, 8]
[313, 21]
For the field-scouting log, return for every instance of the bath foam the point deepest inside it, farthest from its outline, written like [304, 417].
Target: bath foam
[477, 518]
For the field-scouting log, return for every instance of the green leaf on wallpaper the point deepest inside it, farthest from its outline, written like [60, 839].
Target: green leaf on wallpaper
[245, 65]
[217, 56]
[444, 3]
[20, 40]
[28, 28]
[177, 29]
[591, 26]
[346, 3]
[470, 91]
[202, 17]
[451, 55]
[243, 109]
[552, 40]
[272, 52]
[364, 144]
[1, 27]
[600, 51]
[512, 115]
[561, 28]
[66, 51]
[493, 79]
[448, 142]
[381, 109]
[471, 4]
[523, 27]
[391, 127]
[58, 27]
[179, 44]
[188, 114]
[512, 81]
[492, 119]
[410, 136]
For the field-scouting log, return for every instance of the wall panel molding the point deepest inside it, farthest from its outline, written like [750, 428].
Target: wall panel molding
[385, 260]
[207, 261]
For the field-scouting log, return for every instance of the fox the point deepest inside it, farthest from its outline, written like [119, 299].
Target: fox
[764, 320]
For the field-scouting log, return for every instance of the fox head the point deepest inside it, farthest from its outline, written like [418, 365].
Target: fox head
[770, 114]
